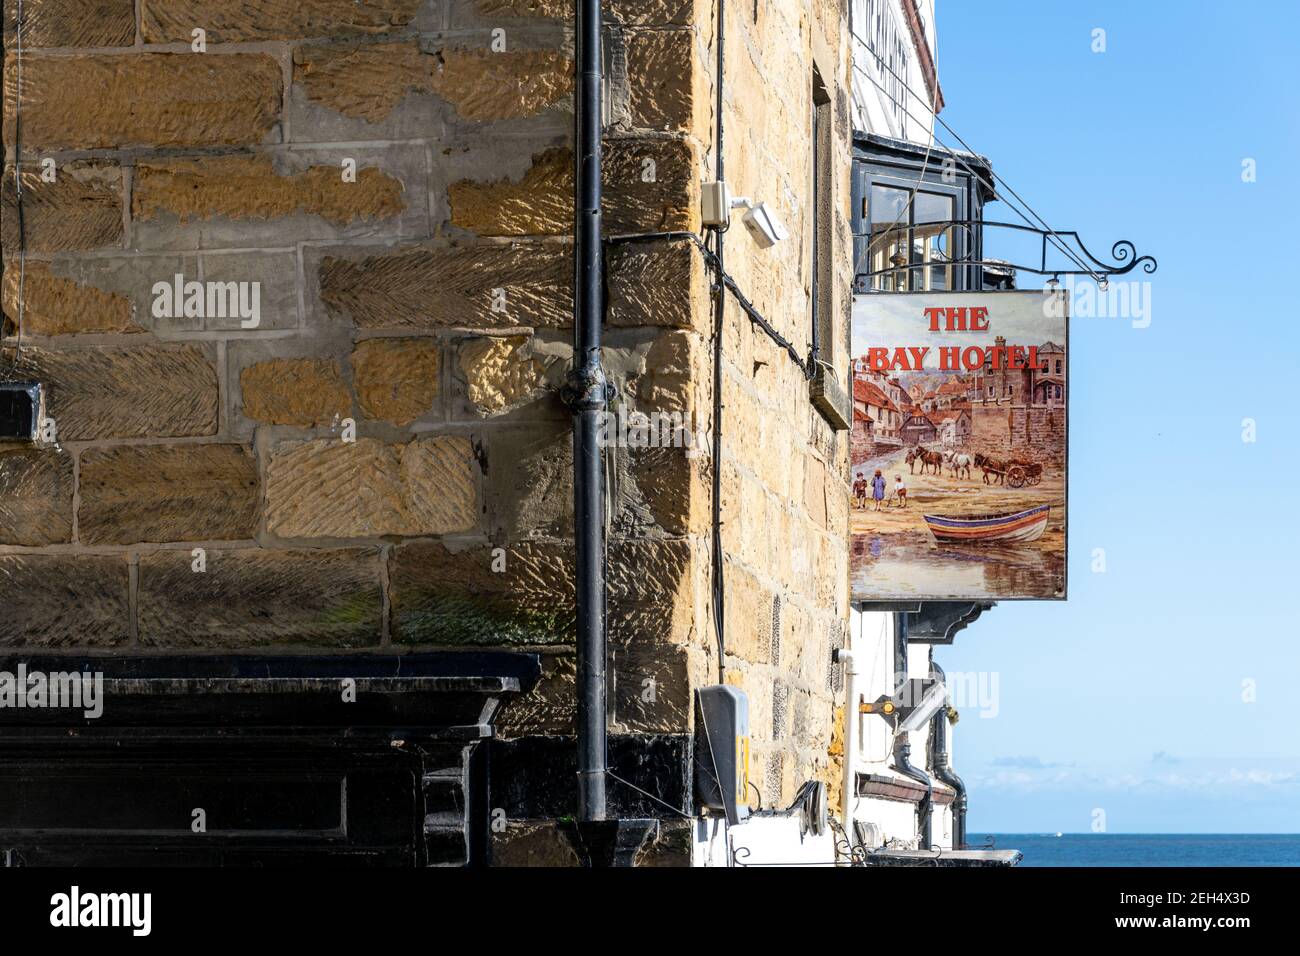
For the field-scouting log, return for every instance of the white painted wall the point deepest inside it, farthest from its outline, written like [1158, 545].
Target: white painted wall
[871, 640]
[767, 840]
[873, 110]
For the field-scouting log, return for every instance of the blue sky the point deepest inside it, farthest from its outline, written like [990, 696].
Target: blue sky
[1128, 698]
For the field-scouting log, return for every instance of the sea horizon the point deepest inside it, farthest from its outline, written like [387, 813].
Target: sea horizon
[1147, 849]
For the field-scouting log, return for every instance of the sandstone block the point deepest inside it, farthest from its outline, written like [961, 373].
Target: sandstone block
[486, 286]
[35, 496]
[673, 487]
[627, 12]
[519, 595]
[530, 481]
[815, 488]
[657, 283]
[368, 82]
[153, 391]
[235, 21]
[667, 81]
[64, 600]
[750, 617]
[396, 379]
[497, 374]
[652, 689]
[71, 23]
[248, 187]
[366, 488]
[549, 708]
[303, 392]
[649, 186]
[273, 274]
[81, 209]
[649, 591]
[56, 305]
[104, 101]
[161, 493]
[532, 843]
[260, 598]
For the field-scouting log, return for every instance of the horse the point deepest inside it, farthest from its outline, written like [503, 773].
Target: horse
[991, 466]
[958, 461]
[931, 458]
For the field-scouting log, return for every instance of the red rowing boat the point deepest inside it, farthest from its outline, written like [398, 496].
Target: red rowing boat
[1010, 526]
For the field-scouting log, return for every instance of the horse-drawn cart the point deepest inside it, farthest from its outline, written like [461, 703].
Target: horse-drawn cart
[1015, 472]
[1021, 473]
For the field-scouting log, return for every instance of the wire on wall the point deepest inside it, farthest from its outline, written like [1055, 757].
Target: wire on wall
[1024, 214]
[719, 325]
[18, 188]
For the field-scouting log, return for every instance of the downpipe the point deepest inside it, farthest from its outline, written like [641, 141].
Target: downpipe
[942, 764]
[587, 393]
[903, 746]
[903, 764]
[598, 839]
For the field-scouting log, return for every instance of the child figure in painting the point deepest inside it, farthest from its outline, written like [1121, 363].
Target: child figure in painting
[900, 491]
[860, 491]
[878, 489]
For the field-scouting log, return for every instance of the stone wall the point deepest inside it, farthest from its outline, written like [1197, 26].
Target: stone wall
[382, 462]
[784, 471]
[1036, 432]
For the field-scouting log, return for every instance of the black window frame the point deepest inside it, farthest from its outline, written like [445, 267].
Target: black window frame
[965, 177]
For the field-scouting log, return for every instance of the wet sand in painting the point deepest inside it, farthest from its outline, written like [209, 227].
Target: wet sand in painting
[894, 554]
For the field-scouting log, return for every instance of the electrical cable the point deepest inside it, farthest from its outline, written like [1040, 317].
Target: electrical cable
[718, 572]
[627, 783]
[1051, 233]
[18, 187]
[1048, 232]
[751, 311]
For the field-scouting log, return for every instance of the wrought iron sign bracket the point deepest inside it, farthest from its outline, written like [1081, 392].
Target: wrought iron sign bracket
[1123, 253]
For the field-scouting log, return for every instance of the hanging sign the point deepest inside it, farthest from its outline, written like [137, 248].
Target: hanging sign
[959, 445]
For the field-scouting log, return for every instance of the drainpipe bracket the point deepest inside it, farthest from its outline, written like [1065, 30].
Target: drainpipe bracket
[586, 389]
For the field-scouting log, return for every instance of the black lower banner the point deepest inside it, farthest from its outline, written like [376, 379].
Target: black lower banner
[335, 906]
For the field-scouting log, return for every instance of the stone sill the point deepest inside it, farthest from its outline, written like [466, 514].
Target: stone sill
[829, 397]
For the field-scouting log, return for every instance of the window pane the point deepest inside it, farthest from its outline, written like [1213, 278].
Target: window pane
[933, 207]
[935, 243]
[887, 210]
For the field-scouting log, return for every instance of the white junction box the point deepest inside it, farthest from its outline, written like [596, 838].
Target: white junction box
[715, 204]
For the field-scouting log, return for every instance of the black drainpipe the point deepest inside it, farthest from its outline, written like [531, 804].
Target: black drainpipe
[903, 746]
[597, 839]
[587, 394]
[942, 764]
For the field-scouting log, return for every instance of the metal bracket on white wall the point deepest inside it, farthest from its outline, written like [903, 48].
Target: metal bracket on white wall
[930, 622]
[937, 622]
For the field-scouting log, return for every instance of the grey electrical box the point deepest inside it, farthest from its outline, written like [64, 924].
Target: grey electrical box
[20, 410]
[722, 751]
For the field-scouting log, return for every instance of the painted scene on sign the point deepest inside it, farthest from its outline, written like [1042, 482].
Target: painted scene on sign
[959, 446]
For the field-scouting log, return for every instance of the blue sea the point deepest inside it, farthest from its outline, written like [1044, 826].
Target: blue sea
[1148, 849]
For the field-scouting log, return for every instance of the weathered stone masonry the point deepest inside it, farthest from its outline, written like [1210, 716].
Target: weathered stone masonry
[428, 300]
